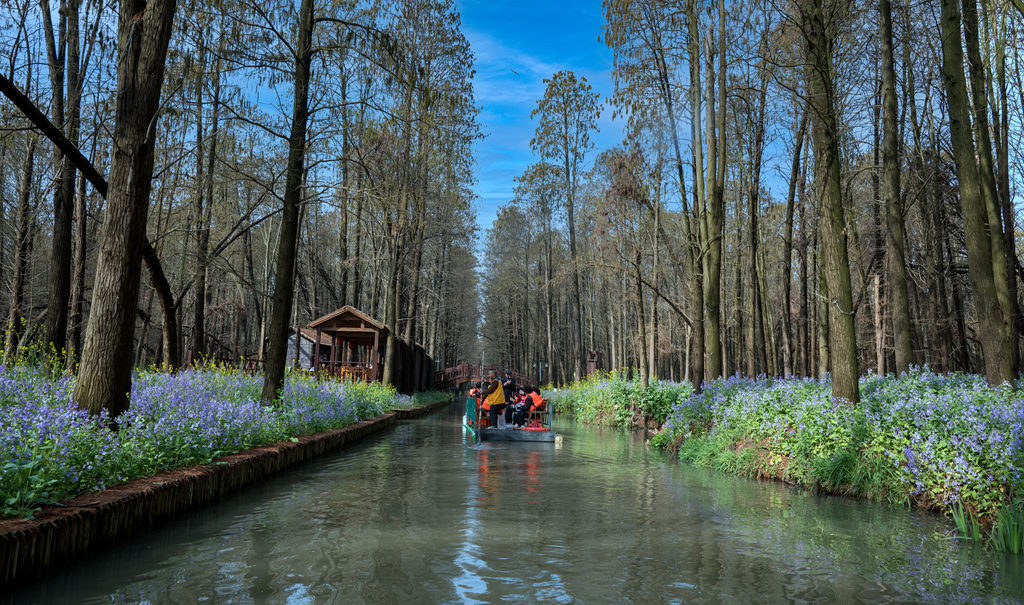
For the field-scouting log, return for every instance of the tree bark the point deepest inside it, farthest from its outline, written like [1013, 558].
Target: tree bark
[74, 335]
[1002, 271]
[1003, 178]
[22, 252]
[715, 208]
[994, 335]
[894, 234]
[787, 251]
[65, 48]
[754, 203]
[104, 378]
[820, 38]
[284, 279]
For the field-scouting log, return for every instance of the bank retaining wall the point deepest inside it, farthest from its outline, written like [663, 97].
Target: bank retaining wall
[87, 523]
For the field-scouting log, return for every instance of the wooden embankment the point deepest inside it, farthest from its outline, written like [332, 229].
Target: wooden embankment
[91, 522]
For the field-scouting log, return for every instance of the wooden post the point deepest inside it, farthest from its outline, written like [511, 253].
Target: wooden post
[375, 370]
[316, 352]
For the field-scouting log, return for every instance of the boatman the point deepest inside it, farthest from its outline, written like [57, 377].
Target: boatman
[494, 395]
[509, 385]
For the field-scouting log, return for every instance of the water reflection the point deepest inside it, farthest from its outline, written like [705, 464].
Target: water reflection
[415, 516]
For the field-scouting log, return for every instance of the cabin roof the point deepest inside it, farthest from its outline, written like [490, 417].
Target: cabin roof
[310, 335]
[347, 317]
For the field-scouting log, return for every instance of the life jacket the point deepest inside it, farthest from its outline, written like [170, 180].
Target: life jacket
[497, 397]
[537, 401]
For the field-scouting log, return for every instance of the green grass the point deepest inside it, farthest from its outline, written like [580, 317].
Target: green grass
[612, 399]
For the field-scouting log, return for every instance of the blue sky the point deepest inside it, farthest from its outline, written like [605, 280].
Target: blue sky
[517, 45]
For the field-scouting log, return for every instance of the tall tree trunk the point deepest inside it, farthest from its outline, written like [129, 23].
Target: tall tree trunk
[394, 307]
[65, 48]
[805, 349]
[754, 203]
[716, 203]
[570, 186]
[690, 228]
[410, 310]
[22, 252]
[992, 314]
[641, 320]
[357, 276]
[820, 38]
[1003, 172]
[788, 364]
[1002, 269]
[104, 378]
[879, 290]
[203, 218]
[742, 353]
[284, 279]
[74, 335]
[963, 352]
[894, 234]
[548, 302]
[345, 186]
[821, 314]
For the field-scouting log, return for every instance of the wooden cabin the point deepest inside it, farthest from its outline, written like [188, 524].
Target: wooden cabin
[300, 347]
[349, 343]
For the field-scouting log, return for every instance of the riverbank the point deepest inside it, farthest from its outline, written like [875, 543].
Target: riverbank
[52, 450]
[195, 405]
[947, 443]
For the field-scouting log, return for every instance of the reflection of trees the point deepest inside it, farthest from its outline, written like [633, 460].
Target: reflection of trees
[859, 549]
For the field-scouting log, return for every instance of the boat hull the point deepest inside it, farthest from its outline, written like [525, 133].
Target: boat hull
[493, 434]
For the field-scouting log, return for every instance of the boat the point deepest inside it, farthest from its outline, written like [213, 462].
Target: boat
[543, 434]
[536, 431]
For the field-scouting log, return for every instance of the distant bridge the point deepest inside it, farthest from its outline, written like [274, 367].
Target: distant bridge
[465, 373]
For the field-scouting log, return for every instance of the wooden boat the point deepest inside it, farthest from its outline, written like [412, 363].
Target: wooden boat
[533, 432]
[542, 434]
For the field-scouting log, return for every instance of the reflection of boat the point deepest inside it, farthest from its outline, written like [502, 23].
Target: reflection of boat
[536, 431]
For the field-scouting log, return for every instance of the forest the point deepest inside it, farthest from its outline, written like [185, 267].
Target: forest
[295, 157]
[799, 263]
[806, 188]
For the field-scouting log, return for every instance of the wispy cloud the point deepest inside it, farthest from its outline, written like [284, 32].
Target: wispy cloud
[516, 46]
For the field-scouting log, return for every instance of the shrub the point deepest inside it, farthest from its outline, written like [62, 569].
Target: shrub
[612, 399]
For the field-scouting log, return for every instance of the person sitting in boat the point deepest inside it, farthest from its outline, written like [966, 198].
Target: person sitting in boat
[493, 397]
[536, 403]
[509, 386]
[519, 409]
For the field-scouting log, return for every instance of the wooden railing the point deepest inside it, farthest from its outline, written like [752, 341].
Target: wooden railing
[249, 366]
[354, 370]
[466, 372]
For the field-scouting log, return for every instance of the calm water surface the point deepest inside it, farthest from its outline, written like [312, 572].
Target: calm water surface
[415, 516]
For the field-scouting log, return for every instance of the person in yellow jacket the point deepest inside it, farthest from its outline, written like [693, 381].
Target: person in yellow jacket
[494, 396]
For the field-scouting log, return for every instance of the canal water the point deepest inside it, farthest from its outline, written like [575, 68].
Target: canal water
[415, 516]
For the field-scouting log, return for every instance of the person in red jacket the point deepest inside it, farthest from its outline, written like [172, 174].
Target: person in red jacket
[536, 404]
